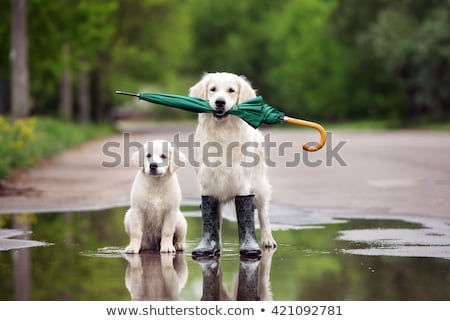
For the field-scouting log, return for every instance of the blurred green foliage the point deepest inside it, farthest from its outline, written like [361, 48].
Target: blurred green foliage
[27, 141]
[328, 60]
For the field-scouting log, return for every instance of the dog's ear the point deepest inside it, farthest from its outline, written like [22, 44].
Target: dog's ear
[246, 91]
[176, 159]
[199, 89]
[136, 158]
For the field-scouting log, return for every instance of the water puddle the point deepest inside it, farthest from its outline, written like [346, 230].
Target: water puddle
[321, 255]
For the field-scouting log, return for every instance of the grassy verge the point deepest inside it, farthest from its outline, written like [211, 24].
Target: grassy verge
[360, 125]
[387, 124]
[25, 142]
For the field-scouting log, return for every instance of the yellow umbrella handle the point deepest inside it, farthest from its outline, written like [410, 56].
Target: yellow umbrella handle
[300, 122]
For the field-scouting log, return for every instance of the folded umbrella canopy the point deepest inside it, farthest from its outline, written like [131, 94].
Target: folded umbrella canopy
[254, 112]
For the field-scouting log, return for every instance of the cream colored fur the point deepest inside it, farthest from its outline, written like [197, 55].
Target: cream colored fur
[154, 220]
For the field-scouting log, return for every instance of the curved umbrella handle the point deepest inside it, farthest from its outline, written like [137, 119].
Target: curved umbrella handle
[319, 128]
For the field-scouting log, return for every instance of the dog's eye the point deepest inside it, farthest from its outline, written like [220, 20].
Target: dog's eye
[212, 89]
[163, 156]
[148, 155]
[231, 90]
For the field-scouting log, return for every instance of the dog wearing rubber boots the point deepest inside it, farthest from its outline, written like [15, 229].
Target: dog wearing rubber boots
[237, 170]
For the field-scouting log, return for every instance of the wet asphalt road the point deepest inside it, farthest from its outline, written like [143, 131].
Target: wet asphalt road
[385, 172]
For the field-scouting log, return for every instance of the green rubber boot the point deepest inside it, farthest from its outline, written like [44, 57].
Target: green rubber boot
[210, 243]
[246, 226]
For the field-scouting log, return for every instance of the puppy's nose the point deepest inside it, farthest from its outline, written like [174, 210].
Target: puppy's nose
[153, 166]
[220, 105]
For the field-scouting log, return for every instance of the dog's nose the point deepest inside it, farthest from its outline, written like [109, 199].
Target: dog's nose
[153, 166]
[220, 105]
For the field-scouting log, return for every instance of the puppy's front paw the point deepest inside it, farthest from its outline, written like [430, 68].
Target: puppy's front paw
[180, 246]
[167, 248]
[132, 249]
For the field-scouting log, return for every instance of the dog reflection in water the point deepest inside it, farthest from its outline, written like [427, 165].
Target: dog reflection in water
[155, 277]
[251, 284]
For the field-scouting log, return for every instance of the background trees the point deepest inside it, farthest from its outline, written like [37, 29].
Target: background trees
[20, 99]
[319, 59]
[409, 40]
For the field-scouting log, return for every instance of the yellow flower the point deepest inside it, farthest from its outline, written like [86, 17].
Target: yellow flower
[4, 125]
[25, 127]
[32, 121]
[26, 131]
[4, 218]
[25, 218]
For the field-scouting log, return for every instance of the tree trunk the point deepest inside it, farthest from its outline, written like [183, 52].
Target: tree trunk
[99, 93]
[84, 93]
[20, 96]
[65, 90]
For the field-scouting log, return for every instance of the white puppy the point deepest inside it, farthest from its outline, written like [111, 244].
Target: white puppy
[231, 153]
[154, 220]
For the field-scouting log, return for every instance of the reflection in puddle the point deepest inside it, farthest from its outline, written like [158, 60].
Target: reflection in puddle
[155, 277]
[381, 258]
[432, 240]
[251, 284]
[18, 236]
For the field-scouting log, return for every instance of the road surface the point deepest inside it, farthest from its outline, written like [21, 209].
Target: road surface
[398, 172]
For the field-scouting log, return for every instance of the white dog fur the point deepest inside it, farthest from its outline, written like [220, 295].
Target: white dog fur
[154, 220]
[223, 174]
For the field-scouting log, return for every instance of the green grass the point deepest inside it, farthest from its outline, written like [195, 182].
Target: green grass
[360, 125]
[350, 125]
[387, 124]
[437, 126]
[26, 142]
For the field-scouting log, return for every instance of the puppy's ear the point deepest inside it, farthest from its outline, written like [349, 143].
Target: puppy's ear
[137, 157]
[246, 91]
[176, 159]
[199, 89]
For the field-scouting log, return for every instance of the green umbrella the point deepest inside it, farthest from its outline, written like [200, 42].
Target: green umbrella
[254, 111]
[192, 104]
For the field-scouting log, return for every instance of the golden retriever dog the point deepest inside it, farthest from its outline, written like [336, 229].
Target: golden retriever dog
[154, 220]
[232, 165]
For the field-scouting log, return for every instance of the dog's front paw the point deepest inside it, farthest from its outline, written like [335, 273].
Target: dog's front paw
[180, 246]
[268, 241]
[132, 249]
[167, 248]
